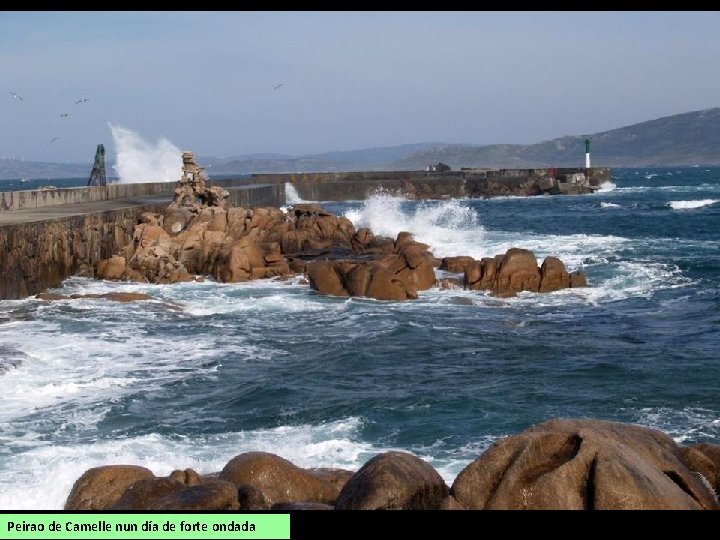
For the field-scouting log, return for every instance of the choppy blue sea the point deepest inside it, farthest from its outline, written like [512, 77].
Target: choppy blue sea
[207, 371]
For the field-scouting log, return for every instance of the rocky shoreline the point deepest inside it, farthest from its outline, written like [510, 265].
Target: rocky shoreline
[558, 464]
[199, 235]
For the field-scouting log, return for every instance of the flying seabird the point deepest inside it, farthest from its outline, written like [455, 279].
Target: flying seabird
[13, 94]
[64, 115]
[54, 139]
[278, 86]
[83, 100]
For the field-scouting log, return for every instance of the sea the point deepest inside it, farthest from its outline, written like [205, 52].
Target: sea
[206, 371]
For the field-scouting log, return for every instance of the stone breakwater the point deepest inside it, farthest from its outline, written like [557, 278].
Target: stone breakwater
[558, 464]
[38, 255]
[200, 235]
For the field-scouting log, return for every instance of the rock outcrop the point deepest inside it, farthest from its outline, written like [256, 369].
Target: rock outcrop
[393, 481]
[100, 488]
[391, 271]
[557, 464]
[279, 480]
[515, 271]
[582, 464]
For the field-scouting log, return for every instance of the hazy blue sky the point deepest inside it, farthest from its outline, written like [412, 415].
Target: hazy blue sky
[350, 80]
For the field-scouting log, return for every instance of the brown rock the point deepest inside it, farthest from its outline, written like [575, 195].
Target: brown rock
[143, 493]
[176, 220]
[297, 265]
[211, 495]
[48, 297]
[393, 481]
[187, 476]
[232, 264]
[150, 218]
[278, 479]
[100, 488]
[451, 503]
[456, 264]
[123, 296]
[384, 285]
[251, 498]
[337, 477]
[358, 280]
[582, 464]
[324, 279]
[111, 268]
[577, 279]
[553, 275]
[705, 459]
[517, 272]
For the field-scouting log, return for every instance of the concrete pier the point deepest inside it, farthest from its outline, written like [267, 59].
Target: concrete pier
[47, 236]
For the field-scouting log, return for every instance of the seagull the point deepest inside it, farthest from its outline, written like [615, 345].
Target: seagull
[13, 94]
[64, 115]
[278, 86]
[54, 139]
[83, 100]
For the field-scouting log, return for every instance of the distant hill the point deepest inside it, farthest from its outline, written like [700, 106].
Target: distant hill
[682, 139]
[691, 138]
[367, 159]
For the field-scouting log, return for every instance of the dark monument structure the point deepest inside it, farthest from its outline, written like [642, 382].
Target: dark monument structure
[97, 176]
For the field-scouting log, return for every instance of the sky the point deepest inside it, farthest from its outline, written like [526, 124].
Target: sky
[206, 80]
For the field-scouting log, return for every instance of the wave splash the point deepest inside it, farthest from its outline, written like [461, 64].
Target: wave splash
[141, 161]
[448, 227]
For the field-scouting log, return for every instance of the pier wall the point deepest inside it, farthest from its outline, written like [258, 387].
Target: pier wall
[338, 186]
[38, 255]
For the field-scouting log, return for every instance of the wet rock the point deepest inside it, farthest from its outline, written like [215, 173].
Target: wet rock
[553, 275]
[211, 495]
[515, 271]
[144, 493]
[704, 458]
[111, 268]
[100, 488]
[188, 477]
[251, 498]
[337, 477]
[582, 464]
[278, 479]
[393, 481]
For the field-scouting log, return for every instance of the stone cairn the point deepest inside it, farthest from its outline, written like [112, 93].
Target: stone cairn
[192, 189]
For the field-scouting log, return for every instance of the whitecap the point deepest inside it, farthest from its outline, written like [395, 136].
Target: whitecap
[689, 205]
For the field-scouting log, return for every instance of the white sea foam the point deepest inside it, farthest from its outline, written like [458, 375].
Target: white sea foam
[609, 205]
[41, 478]
[688, 205]
[453, 228]
[605, 187]
[291, 194]
[445, 226]
[689, 423]
[139, 160]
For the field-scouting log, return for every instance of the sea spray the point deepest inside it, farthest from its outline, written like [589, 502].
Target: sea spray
[291, 195]
[446, 226]
[139, 160]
